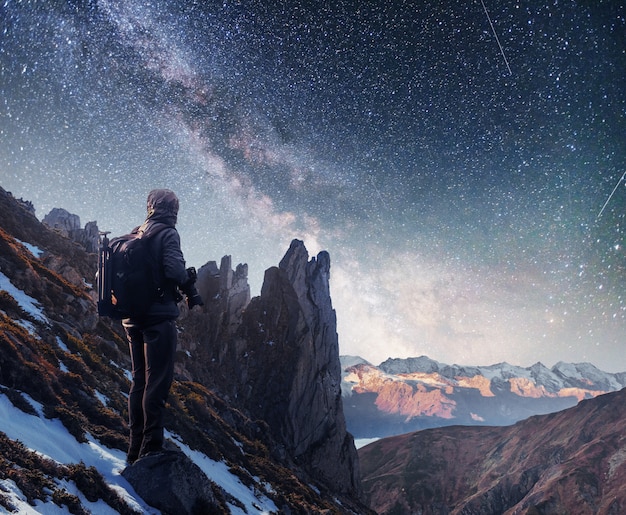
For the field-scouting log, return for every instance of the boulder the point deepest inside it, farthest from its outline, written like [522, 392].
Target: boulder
[172, 483]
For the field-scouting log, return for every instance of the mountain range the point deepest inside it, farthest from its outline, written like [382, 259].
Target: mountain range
[403, 395]
[263, 410]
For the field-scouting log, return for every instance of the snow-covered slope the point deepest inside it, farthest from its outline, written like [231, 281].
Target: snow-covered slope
[50, 439]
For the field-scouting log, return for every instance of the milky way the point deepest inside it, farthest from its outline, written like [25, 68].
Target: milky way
[455, 169]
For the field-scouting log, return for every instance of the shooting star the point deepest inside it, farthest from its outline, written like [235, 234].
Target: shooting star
[496, 36]
[611, 195]
[382, 201]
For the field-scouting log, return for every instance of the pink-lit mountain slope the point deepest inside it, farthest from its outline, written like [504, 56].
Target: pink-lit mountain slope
[403, 395]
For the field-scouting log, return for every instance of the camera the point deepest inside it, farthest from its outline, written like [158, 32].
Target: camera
[190, 291]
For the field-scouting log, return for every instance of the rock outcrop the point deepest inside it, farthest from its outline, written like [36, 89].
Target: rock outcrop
[282, 348]
[172, 483]
[292, 374]
[68, 225]
[229, 287]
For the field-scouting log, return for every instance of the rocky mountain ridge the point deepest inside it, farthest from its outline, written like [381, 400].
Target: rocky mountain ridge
[256, 395]
[403, 395]
[562, 377]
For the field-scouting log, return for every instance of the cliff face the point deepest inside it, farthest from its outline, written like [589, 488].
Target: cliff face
[294, 379]
[568, 462]
[282, 348]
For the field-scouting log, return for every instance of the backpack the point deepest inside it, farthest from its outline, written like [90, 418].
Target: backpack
[128, 275]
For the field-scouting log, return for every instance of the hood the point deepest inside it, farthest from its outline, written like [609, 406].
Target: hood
[162, 206]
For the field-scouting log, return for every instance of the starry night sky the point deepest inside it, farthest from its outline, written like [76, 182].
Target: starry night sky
[453, 157]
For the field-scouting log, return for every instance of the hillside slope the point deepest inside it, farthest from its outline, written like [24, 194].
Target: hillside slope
[570, 462]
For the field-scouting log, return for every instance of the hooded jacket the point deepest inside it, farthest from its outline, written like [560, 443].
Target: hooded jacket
[160, 225]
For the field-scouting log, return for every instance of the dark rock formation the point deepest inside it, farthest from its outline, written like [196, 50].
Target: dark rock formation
[229, 287]
[68, 225]
[26, 204]
[282, 348]
[172, 483]
[291, 374]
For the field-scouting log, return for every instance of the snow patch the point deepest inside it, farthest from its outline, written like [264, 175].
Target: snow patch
[62, 345]
[362, 442]
[254, 501]
[27, 303]
[50, 438]
[102, 398]
[35, 251]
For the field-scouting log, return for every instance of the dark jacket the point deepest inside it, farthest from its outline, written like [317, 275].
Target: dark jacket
[165, 246]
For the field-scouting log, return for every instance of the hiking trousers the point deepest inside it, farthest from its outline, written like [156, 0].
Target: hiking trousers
[152, 352]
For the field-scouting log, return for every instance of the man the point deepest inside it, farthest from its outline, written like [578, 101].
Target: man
[153, 337]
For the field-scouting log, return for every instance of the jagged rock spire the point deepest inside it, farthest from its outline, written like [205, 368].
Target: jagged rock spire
[276, 357]
[294, 381]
